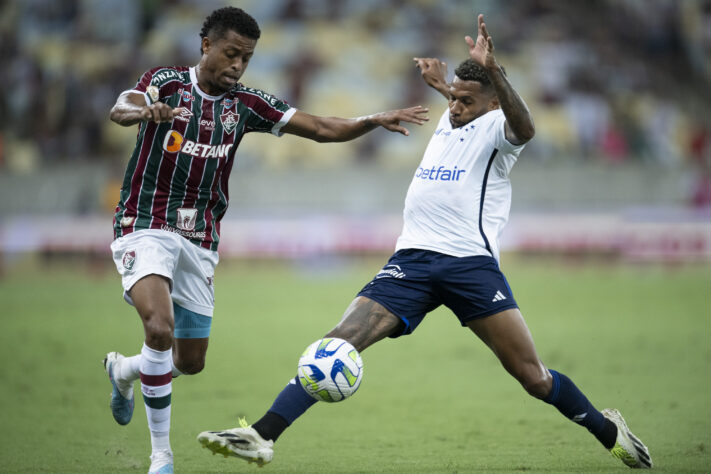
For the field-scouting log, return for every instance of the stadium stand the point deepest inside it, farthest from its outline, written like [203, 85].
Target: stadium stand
[618, 90]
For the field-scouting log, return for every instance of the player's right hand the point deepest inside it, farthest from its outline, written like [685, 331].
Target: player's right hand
[159, 112]
[481, 50]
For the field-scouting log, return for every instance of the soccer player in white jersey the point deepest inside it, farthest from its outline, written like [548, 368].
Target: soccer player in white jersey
[167, 222]
[448, 254]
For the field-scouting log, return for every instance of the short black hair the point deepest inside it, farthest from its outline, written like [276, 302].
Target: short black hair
[468, 70]
[230, 18]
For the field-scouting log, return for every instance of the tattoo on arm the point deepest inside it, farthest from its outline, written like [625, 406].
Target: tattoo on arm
[520, 128]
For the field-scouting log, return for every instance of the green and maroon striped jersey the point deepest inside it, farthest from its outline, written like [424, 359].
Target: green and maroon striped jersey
[177, 177]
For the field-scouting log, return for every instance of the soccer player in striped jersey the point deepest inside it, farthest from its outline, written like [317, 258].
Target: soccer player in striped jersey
[167, 222]
[448, 253]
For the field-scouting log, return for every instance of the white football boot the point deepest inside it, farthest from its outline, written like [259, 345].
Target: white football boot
[628, 448]
[243, 442]
[122, 401]
[161, 463]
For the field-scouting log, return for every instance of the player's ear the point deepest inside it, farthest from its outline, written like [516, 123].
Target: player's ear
[493, 103]
[205, 45]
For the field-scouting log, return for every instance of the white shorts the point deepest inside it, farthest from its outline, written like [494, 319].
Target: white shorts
[189, 268]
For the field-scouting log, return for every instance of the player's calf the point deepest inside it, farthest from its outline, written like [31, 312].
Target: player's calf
[190, 367]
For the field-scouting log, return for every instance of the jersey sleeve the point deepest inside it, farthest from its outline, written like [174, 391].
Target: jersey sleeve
[499, 133]
[158, 83]
[268, 114]
[508, 152]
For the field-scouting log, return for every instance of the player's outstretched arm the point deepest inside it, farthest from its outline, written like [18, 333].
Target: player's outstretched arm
[131, 108]
[519, 122]
[434, 72]
[336, 129]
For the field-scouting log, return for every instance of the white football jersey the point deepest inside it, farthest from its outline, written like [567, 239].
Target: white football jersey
[459, 199]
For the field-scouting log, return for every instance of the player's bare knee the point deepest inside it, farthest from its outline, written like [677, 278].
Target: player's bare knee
[159, 336]
[364, 323]
[349, 333]
[537, 384]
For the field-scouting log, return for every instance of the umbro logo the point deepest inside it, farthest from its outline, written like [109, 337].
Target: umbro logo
[184, 114]
[498, 297]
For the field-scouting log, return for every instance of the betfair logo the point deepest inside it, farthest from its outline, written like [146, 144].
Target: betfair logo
[439, 173]
[174, 142]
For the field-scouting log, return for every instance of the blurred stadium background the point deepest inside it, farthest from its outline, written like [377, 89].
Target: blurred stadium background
[619, 90]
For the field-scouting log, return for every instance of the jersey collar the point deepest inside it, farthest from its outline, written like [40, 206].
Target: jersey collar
[204, 95]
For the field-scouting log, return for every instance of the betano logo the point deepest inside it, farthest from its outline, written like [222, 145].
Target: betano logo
[174, 142]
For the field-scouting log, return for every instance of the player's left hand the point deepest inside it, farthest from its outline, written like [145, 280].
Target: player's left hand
[433, 71]
[391, 120]
[482, 50]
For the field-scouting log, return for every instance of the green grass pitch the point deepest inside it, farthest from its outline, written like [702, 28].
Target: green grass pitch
[634, 338]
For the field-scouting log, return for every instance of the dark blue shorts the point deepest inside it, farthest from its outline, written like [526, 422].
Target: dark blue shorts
[415, 282]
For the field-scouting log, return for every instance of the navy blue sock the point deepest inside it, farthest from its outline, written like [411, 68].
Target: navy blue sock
[290, 404]
[571, 402]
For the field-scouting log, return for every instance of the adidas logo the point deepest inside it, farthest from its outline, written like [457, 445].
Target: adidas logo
[498, 297]
[580, 418]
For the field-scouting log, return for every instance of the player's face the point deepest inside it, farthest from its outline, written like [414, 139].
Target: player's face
[224, 60]
[468, 101]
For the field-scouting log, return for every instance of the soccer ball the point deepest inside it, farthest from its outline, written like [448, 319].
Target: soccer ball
[330, 370]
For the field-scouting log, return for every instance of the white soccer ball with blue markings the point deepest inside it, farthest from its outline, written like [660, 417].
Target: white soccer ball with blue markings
[330, 370]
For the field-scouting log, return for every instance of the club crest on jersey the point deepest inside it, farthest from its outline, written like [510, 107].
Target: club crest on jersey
[229, 121]
[153, 93]
[129, 259]
[184, 115]
[186, 218]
